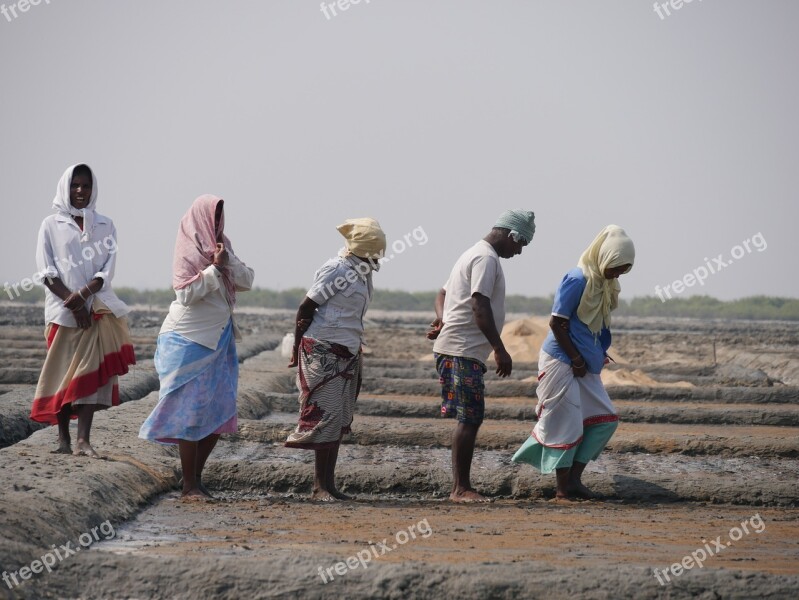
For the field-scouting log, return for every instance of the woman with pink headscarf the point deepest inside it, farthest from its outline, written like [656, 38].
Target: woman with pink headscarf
[196, 355]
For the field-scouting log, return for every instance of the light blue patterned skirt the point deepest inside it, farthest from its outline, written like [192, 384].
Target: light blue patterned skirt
[198, 389]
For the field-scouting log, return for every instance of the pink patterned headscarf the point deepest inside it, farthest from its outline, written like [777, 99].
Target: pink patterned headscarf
[196, 244]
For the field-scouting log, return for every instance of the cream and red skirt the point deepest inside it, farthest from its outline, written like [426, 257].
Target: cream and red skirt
[83, 365]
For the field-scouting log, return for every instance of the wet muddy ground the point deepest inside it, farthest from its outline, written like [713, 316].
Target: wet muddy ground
[689, 469]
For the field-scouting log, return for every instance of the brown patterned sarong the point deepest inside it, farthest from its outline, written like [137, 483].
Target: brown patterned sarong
[329, 379]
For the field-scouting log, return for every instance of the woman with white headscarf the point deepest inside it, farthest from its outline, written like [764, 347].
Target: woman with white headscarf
[327, 349]
[88, 342]
[576, 418]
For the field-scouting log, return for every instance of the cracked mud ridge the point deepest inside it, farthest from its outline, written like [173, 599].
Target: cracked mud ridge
[701, 475]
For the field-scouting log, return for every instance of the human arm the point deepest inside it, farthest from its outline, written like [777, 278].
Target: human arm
[74, 301]
[560, 329]
[210, 280]
[241, 274]
[105, 272]
[484, 318]
[438, 323]
[305, 314]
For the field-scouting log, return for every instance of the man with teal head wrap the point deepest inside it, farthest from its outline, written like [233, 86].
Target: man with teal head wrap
[470, 314]
[520, 223]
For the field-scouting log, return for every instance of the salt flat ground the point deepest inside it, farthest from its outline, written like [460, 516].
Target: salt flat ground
[706, 448]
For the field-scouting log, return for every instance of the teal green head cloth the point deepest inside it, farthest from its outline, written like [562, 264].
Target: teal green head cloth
[520, 222]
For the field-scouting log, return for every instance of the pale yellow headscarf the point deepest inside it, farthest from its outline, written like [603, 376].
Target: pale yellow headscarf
[611, 248]
[364, 237]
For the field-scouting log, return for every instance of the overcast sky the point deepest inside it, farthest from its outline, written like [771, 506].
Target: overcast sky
[430, 116]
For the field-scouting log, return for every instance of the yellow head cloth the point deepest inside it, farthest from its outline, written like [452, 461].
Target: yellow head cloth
[364, 237]
[611, 248]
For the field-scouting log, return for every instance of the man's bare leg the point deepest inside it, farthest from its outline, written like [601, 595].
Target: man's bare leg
[85, 417]
[463, 441]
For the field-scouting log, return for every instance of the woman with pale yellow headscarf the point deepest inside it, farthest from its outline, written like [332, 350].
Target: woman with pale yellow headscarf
[327, 349]
[576, 418]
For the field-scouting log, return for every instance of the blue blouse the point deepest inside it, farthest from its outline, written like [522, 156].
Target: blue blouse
[567, 299]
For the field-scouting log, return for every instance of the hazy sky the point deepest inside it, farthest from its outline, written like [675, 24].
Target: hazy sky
[428, 115]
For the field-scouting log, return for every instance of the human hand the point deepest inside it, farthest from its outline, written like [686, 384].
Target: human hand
[83, 317]
[504, 362]
[435, 328]
[579, 367]
[220, 255]
[303, 325]
[294, 360]
[74, 302]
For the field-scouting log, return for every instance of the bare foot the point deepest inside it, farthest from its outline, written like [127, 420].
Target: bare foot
[467, 497]
[194, 495]
[578, 490]
[322, 496]
[85, 449]
[64, 447]
[201, 487]
[565, 496]
[340, 495]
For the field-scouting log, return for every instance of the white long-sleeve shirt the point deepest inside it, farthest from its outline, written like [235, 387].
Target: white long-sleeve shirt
[200, 311]
[61, 253]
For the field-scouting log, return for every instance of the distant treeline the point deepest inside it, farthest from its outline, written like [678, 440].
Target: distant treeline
[703, 307]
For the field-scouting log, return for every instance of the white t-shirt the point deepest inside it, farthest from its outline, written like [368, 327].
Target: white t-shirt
[478, 270]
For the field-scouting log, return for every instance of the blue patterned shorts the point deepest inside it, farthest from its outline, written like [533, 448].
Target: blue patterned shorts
[462, 388]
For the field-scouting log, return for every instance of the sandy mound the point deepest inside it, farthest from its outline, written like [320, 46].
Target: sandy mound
[636, 377]
[523, 338]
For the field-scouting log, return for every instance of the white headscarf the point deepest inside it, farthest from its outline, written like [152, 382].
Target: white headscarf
[63, 206]
[611, 248]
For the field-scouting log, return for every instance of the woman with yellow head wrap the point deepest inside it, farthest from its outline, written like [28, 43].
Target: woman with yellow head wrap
[327, 349]
[576, 417]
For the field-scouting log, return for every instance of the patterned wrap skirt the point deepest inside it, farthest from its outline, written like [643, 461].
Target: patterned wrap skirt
[329, 379]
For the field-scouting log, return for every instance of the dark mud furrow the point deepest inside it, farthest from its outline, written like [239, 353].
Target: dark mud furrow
[503, 388]
[629, 411]
[509, 435]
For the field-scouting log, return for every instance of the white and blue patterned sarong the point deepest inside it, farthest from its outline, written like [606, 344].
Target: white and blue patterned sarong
[198, 389]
